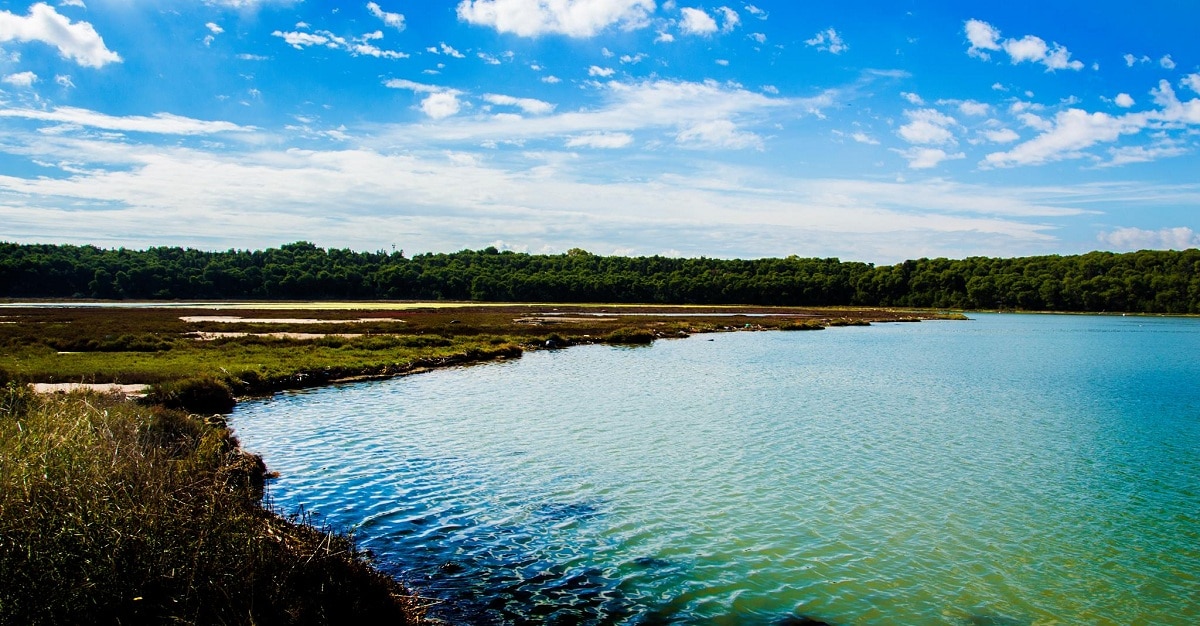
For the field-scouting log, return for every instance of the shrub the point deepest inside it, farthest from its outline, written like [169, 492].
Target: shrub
[197, 395]
[805, 325]
[630, 336]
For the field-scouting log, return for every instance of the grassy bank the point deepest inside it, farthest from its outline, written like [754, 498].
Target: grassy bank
[113, 512]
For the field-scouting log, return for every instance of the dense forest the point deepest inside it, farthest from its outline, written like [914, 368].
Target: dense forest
[1145, 281]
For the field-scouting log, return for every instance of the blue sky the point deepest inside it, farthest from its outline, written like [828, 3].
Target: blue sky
[870, 131]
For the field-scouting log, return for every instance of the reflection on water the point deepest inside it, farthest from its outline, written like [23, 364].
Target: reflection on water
[1008, 470]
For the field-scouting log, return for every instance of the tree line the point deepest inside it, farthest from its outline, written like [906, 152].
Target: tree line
[1148, 281]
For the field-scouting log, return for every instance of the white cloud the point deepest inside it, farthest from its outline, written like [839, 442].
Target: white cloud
[402, 83]
[77, 41]
[72, 3]
[928, 126]
[577, 18]
[862, 137]
[606, 53]
[160, 123]
[985, 39]
[1191, 81]
[441, 105]
[730, 19]
[634, 59]
[998, 87]
[446, 49]
[300, 40]
[1123, 100]
[1167, 63]
[664, 37]
[971, 107]
[1073, 131]
[528, 105]
[761, 38]
[1142, 154]
[603, 72]
[718, 134]
[64, 81]
[1179, 238]
[926, 158]
[358, 46]
[722, 62]
[551, 79]
[696, 22]
[214, 28]
[755, 11]
[600, 140]
[487, 58]
[395, 20]
[1001, 135]
[912, 98]
[21, 79]
[1130, 60]
[828, 39]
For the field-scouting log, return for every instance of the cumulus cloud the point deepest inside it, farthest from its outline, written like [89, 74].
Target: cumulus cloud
[528, 105]
[600, 140]
[1072, 131]
[602, 72]
[729, 19]
[21, 79]
[1001, 135]
[441, 105]
[1123, 100]
[718, 134]
[77, 41]
[928, 126]
[971, 107]
[1179, 238]
[64, 81]
[395, 20]
[926, 158]
[445, 49]
[828, 39]
[1191, 81]
[1166, 62]
[696, 22]
[1130, 60]
[985, 39]
[862, 137]
[441, 102]
[912, 98]
[214, 28]
[574, 18]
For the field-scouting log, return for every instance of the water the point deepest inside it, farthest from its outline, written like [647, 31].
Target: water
[1007, 470]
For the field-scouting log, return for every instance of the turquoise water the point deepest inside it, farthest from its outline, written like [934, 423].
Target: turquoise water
[1014, 469]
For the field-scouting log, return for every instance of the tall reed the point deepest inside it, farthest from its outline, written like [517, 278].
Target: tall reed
[111, 512]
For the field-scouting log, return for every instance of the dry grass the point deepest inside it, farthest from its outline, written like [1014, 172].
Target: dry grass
[111, 512]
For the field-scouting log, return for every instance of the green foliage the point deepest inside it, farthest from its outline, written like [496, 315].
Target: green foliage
[1146, 281]
[111, 512]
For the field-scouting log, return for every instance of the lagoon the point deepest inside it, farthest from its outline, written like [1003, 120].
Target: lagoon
[1013, 469]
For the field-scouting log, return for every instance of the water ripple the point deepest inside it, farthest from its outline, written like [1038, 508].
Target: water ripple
[1011, 470]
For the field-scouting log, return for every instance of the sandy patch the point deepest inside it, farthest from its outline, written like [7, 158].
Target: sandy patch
[209, 336]
[233, 319]
[125, 390]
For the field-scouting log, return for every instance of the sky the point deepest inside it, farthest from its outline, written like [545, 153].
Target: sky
[873, 131]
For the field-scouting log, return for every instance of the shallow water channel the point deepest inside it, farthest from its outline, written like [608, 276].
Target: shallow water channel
[1013, 469]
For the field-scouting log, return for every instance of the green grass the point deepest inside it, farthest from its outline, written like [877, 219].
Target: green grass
[112, 512]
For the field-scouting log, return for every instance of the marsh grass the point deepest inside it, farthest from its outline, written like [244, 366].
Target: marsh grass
[112, 512]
